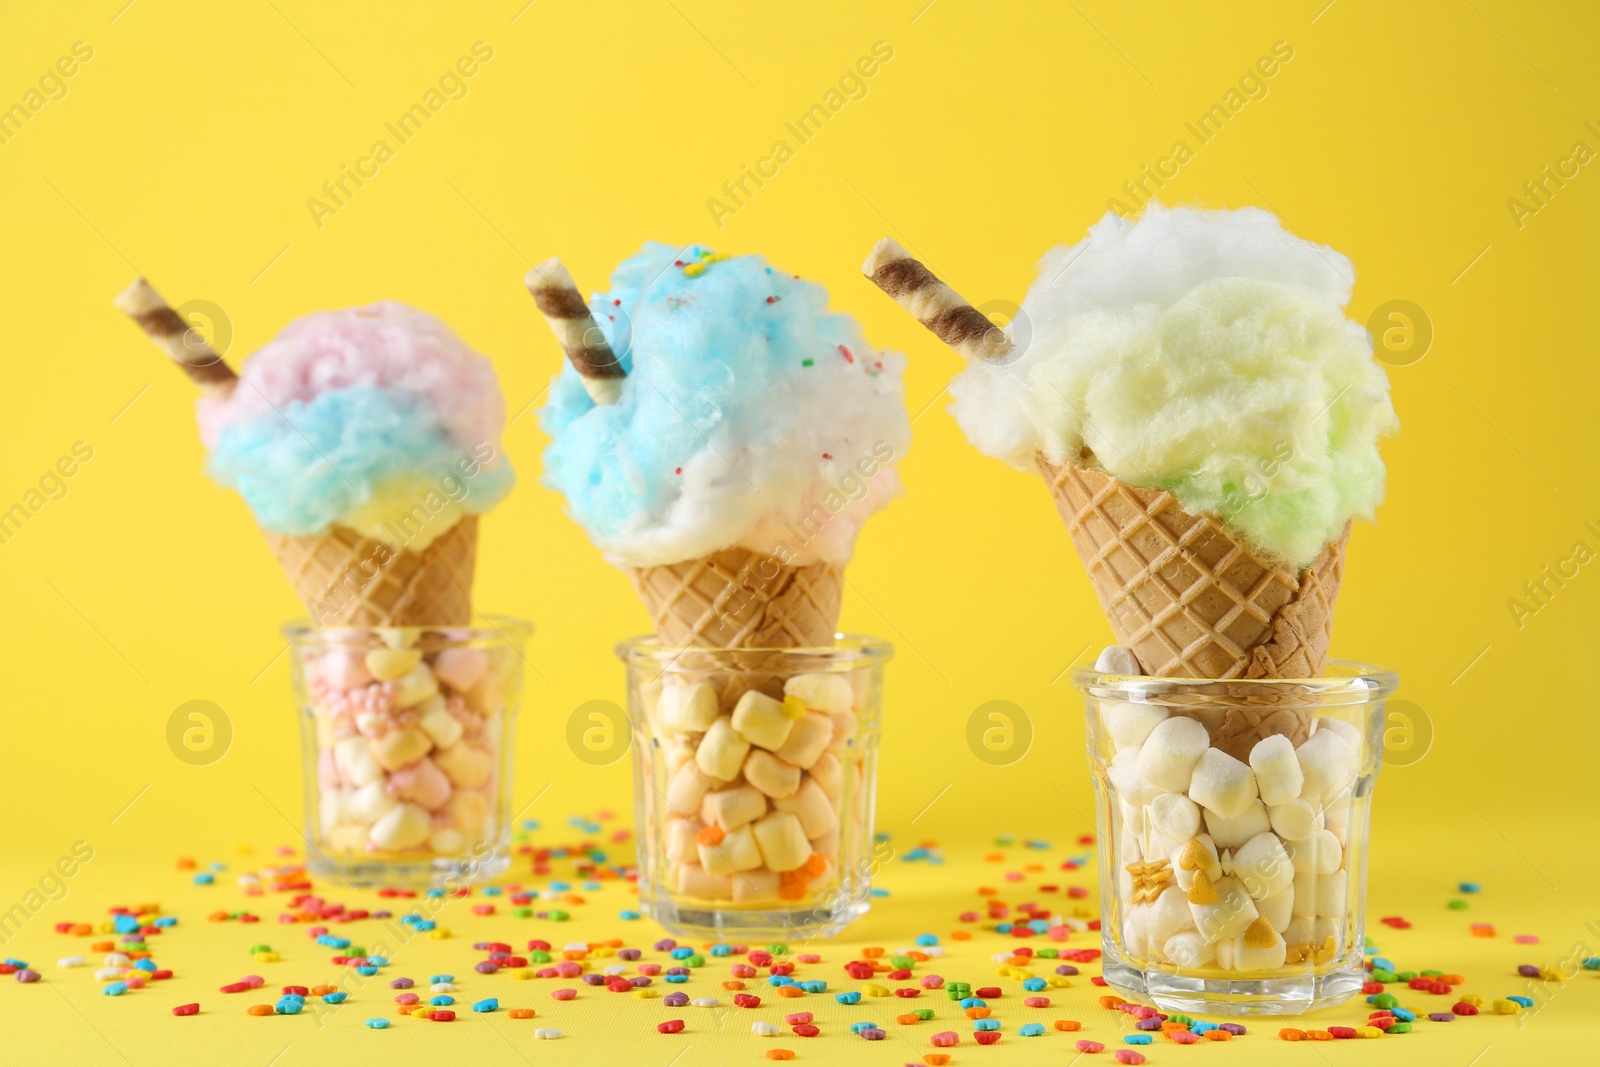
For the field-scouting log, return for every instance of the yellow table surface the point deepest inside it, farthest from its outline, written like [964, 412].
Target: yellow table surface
[64, 1018]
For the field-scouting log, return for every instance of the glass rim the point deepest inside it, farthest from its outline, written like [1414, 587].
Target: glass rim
[1358, 683]
[857, 648]
[504, 628]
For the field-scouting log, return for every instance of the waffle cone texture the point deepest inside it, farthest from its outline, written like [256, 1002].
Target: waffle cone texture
[346, 579]
[737, 598]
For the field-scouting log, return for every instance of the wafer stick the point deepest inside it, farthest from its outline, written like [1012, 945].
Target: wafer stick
[166, 328]
[935, 305]
[564, 309]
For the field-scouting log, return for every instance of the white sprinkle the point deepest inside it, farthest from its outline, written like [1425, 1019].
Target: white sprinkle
[764, 1029]
[545, 1033]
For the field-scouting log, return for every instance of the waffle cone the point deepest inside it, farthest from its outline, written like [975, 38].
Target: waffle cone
[346, 579]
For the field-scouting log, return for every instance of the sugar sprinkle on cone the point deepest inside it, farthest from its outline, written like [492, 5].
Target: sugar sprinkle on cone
[934, 304]
[141, 303]
[563, 307]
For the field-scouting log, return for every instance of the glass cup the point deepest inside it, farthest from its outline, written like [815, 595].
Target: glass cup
[406, 733]
[1233, 835]
[755, 781]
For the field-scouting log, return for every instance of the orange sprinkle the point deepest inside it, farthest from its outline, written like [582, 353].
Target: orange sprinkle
[920, 957]
[779, 1054]
[102, 946]
[936, 1059]
[1219, 1035]
[1319, 1035]
[318, 990]
[710, 835]
[1291, 1034]
[1068, 1024]
[520, 1013]
[871, 953]
[816, 863]
[995, 857]
[1111, 1001]
[574, 954]
[733, 984]
[1452, 979]
[986, 891]
[907, 1020]
[259, 1009]
[961, 935]
[790, 991]
[976, 1013]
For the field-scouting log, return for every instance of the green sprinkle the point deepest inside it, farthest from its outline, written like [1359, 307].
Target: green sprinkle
[1400, 1028]
[539, 955]
[522, 913]
[1458, 905]
[808, 362]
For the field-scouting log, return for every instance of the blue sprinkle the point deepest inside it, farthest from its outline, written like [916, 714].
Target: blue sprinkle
[1034, 985]
[336, 997]
[856, 1028]
[676, 979]
[289, 1006]
[986, 1024]
[1381, 964]
[780, 980]
[1002, 928]
[443, 1000]
[1138, 1039]
[1469, 887]
[491, 890]
[814, 986]
[367, 972]
[204, 878]
[560, 887]
[378, 961]
[1198, 1027]
[1403, 1015]
[851, 997]
[377, 1024]
[166, 920]
[1526, 1002]
[435, 892]
[1031, 1029]
[143, 965]
[972, 1002]
[115, 989]
[490, 1004]
[436, 979]
[879, 892]
[722, 950]
[682, 953]
[924, 940]
[628, 915]
[1592, 963]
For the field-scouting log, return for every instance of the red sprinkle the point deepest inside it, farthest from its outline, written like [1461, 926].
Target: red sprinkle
[442, 1016]
[806, 1030]
[1342, 1031]
[986, 1037]
[845, 352]
[186, 1009]
[671, 1026]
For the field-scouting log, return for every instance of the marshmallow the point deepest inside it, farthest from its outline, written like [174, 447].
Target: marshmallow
[332, 808]
[692, 880]
[1328, 763]
[1303, 929]
[1336, 815]
[488, 697]
[422, 783]
[1278, 908]
[1231, 833]
[1123, 770]
[844, 730]
[1321, 895]
[675, 752]
[1130, 724]
[402, 827]
[760, 720]
[686, 788]
[1168, 757]
[807, 741]
[355, 761]
[827, 693]
[442, 728]
[752, 886]
[397, 748]
[392, 664]
[461, 668]
[1199, 853]
[1319, 853]
[1277, 769]
[783, 842]
[1174, 815]
[828, 773]
[1189, 949]
[826, 844]
[469, 808]
[1222, 784]
[1136, 932]
[1169, 915]
[348, 838]
[812, 807]
[344, 669]
[736, 851]
[370, 803]
[467, 765]
[418, 685]
[446, 840]
[733, 808]
[1259, 948]
[1133, 815]
[1294, 820]
[770, 774]
[1348, 731]
[678, 840]
[1116, 659]
[721, 751]
[686, 708]
[1262, 866]
[1228, 915]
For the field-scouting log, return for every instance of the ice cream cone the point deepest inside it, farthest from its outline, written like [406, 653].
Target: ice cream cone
[346, 579]
[737, 598]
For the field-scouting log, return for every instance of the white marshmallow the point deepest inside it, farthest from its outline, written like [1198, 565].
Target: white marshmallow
[1133, 815]
[828, 773]
[1320, 853]
[355, 761]
[1321, 895]
[807, 741]
[1229, 915]
[1278, 908]
[1118, 659]
[770, 774]
[418, 685]
[1222, 784]
[1123, 770]
[443, 728]
[751, 886]
[845, 725]
[1168, 757]
[1294, 820]
[675, 752]
[1130, 724]
[1336, 815]
[1169, 915]
[679, 840]
[1189, 949]
[465, 765]
[826, 844]
[783, 842]
[403, 826]
[447, 841]
[827, 693]
[760, 720]
[1231, 833]
[692, 880]
[1328, 763]
[1234, 955]
[686, 789]
[1263, 866]
[812, 807]
[721, 751]
[1349, 731]
[1174, 815]
[733, 808]
[1277, 770]
[736, 851]
[370, 803]
[1136, 932]
[686, 709]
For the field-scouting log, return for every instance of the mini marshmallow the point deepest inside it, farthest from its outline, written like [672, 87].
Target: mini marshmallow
[418, 685]
[678, 840]
[1228, 916]
[404, 826]
[344, 669]
[1118, 659]
[1304, 929]
[692, 880]
[686, 789]
[461, 668]
[1174, 815]
[469, 808]
[807, 741]
[1328, 763]
[1336, 815]
[721, 751]
[467, 765]
[332, 808]
[828, 773]
[1189, 949]
[1222, 784]
[811, 806]
[1294, 820]
[446, 841]
[736, 851]
[1319, 894]
[675, 752]
[397, 748]
[845, 724]
[1169, 915]
[1168, 757]
[1278, 908]
[1348, 731]
[370, 803]
[355, 761]
[350, 837]
[1263, 866]
[1231, 833]
[826, 844]
[1136, 932]
[1130, 724]
[760, 720]
[442, 728]
[1133, 815]
[1131, 786]
[770, 774]
[733, 808]
[422, 783]
[392, 664]
[751, 886]
[488, 697]
[1277, 769]
[1320, 853]
[686, 708]
[1240, 954]
[827, 693]
[783, 842]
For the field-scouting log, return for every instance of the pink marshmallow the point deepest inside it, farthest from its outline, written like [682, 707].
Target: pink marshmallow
[460, 668]
[345, 670]
[422, 783]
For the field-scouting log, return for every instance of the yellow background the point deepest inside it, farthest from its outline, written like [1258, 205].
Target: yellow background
[186, 150]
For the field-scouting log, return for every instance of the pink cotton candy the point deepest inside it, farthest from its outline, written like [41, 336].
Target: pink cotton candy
[387, 345]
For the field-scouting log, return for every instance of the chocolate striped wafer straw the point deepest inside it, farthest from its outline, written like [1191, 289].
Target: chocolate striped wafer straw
[564, 309]
[166, 328]
[936, 305]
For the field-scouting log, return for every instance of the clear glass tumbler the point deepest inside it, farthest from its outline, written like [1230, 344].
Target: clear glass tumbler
[407, 734]
[1233, 835]
[755, 781]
